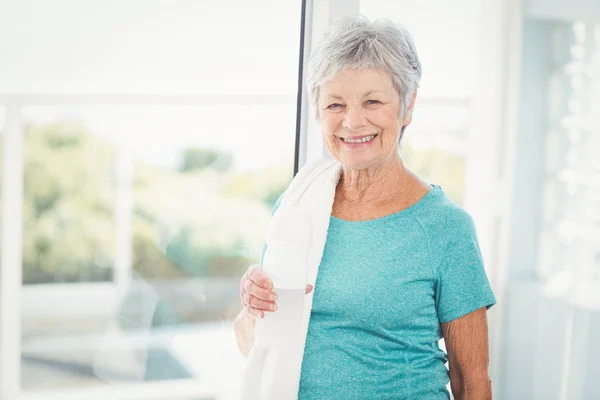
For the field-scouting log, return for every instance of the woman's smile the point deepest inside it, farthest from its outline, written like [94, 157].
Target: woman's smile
[355, 142]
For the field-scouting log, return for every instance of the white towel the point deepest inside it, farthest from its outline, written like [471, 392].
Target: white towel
[274, 374]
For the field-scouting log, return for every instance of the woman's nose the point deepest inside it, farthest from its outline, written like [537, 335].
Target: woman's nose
[354, 119]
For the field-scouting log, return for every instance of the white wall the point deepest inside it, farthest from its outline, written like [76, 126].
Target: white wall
[446, 37]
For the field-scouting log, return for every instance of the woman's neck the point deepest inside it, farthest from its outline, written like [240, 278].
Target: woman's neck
[376, 184]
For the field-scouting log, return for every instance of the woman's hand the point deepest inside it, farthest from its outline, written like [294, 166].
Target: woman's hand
[256, 292]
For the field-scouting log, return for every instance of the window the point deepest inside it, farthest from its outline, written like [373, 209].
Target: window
[165, 202]
[148, 192]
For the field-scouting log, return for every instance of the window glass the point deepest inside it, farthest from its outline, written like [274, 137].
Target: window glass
[140, 217]
[168, 205]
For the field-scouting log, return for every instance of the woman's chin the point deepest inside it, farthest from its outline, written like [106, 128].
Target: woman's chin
[358, 163]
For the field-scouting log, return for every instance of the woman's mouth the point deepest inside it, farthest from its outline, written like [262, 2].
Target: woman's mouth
[359, 140]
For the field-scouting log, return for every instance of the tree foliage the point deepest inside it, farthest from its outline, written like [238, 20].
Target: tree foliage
[68, 205]
[184, 222]
[195, 159]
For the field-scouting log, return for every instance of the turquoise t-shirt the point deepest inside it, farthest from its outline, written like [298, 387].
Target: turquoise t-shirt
[383, 288]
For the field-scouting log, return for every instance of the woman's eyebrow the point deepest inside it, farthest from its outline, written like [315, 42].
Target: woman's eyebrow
[338, 97]
[370, 92]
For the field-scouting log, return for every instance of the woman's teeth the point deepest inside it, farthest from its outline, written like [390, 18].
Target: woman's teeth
[362, 140]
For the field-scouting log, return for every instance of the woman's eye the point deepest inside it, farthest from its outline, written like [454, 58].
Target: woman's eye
[371, 102]
[333, 106]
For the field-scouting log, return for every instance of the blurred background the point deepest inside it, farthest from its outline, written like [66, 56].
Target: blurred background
[144, 144]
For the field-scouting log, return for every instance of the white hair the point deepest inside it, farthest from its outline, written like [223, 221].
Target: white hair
[357, 43]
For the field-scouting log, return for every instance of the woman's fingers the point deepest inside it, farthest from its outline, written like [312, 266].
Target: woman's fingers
[256, 293]
[259, 304]
[255, 313]
[259, 292]
[247, 283]
[259, 288]
[243, 283]
[260, 278]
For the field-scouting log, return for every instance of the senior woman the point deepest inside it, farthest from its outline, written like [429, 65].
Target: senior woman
[401, 266]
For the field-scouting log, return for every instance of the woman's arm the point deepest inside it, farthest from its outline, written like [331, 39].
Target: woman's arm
[466, 341]
[244, 331]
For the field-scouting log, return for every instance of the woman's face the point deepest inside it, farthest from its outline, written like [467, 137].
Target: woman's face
[359, 113]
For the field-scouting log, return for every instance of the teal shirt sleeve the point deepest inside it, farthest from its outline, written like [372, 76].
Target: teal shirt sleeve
[462, 285]
[275, 207]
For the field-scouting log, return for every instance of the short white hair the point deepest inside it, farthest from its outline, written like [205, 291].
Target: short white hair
[357, 43]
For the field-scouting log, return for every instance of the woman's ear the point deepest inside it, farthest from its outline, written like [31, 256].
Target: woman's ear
[409, 110]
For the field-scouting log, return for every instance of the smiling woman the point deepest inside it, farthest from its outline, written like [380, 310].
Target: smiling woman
[400, 263]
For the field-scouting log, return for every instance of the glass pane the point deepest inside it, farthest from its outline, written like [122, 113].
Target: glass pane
[187, 195]
[141, 218]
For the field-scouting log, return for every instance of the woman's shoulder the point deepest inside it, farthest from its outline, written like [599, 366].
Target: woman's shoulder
[450, 231]
[443, 216]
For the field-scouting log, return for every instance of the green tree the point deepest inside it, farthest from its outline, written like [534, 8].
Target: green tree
[195, 159]
[183, 224]
[265, 185]
[68, 205]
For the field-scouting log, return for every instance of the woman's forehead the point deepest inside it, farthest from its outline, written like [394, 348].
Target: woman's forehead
[362, 82]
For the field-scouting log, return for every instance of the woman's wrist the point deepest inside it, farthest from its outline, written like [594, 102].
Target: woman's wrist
[244, 330]
[245, 317]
